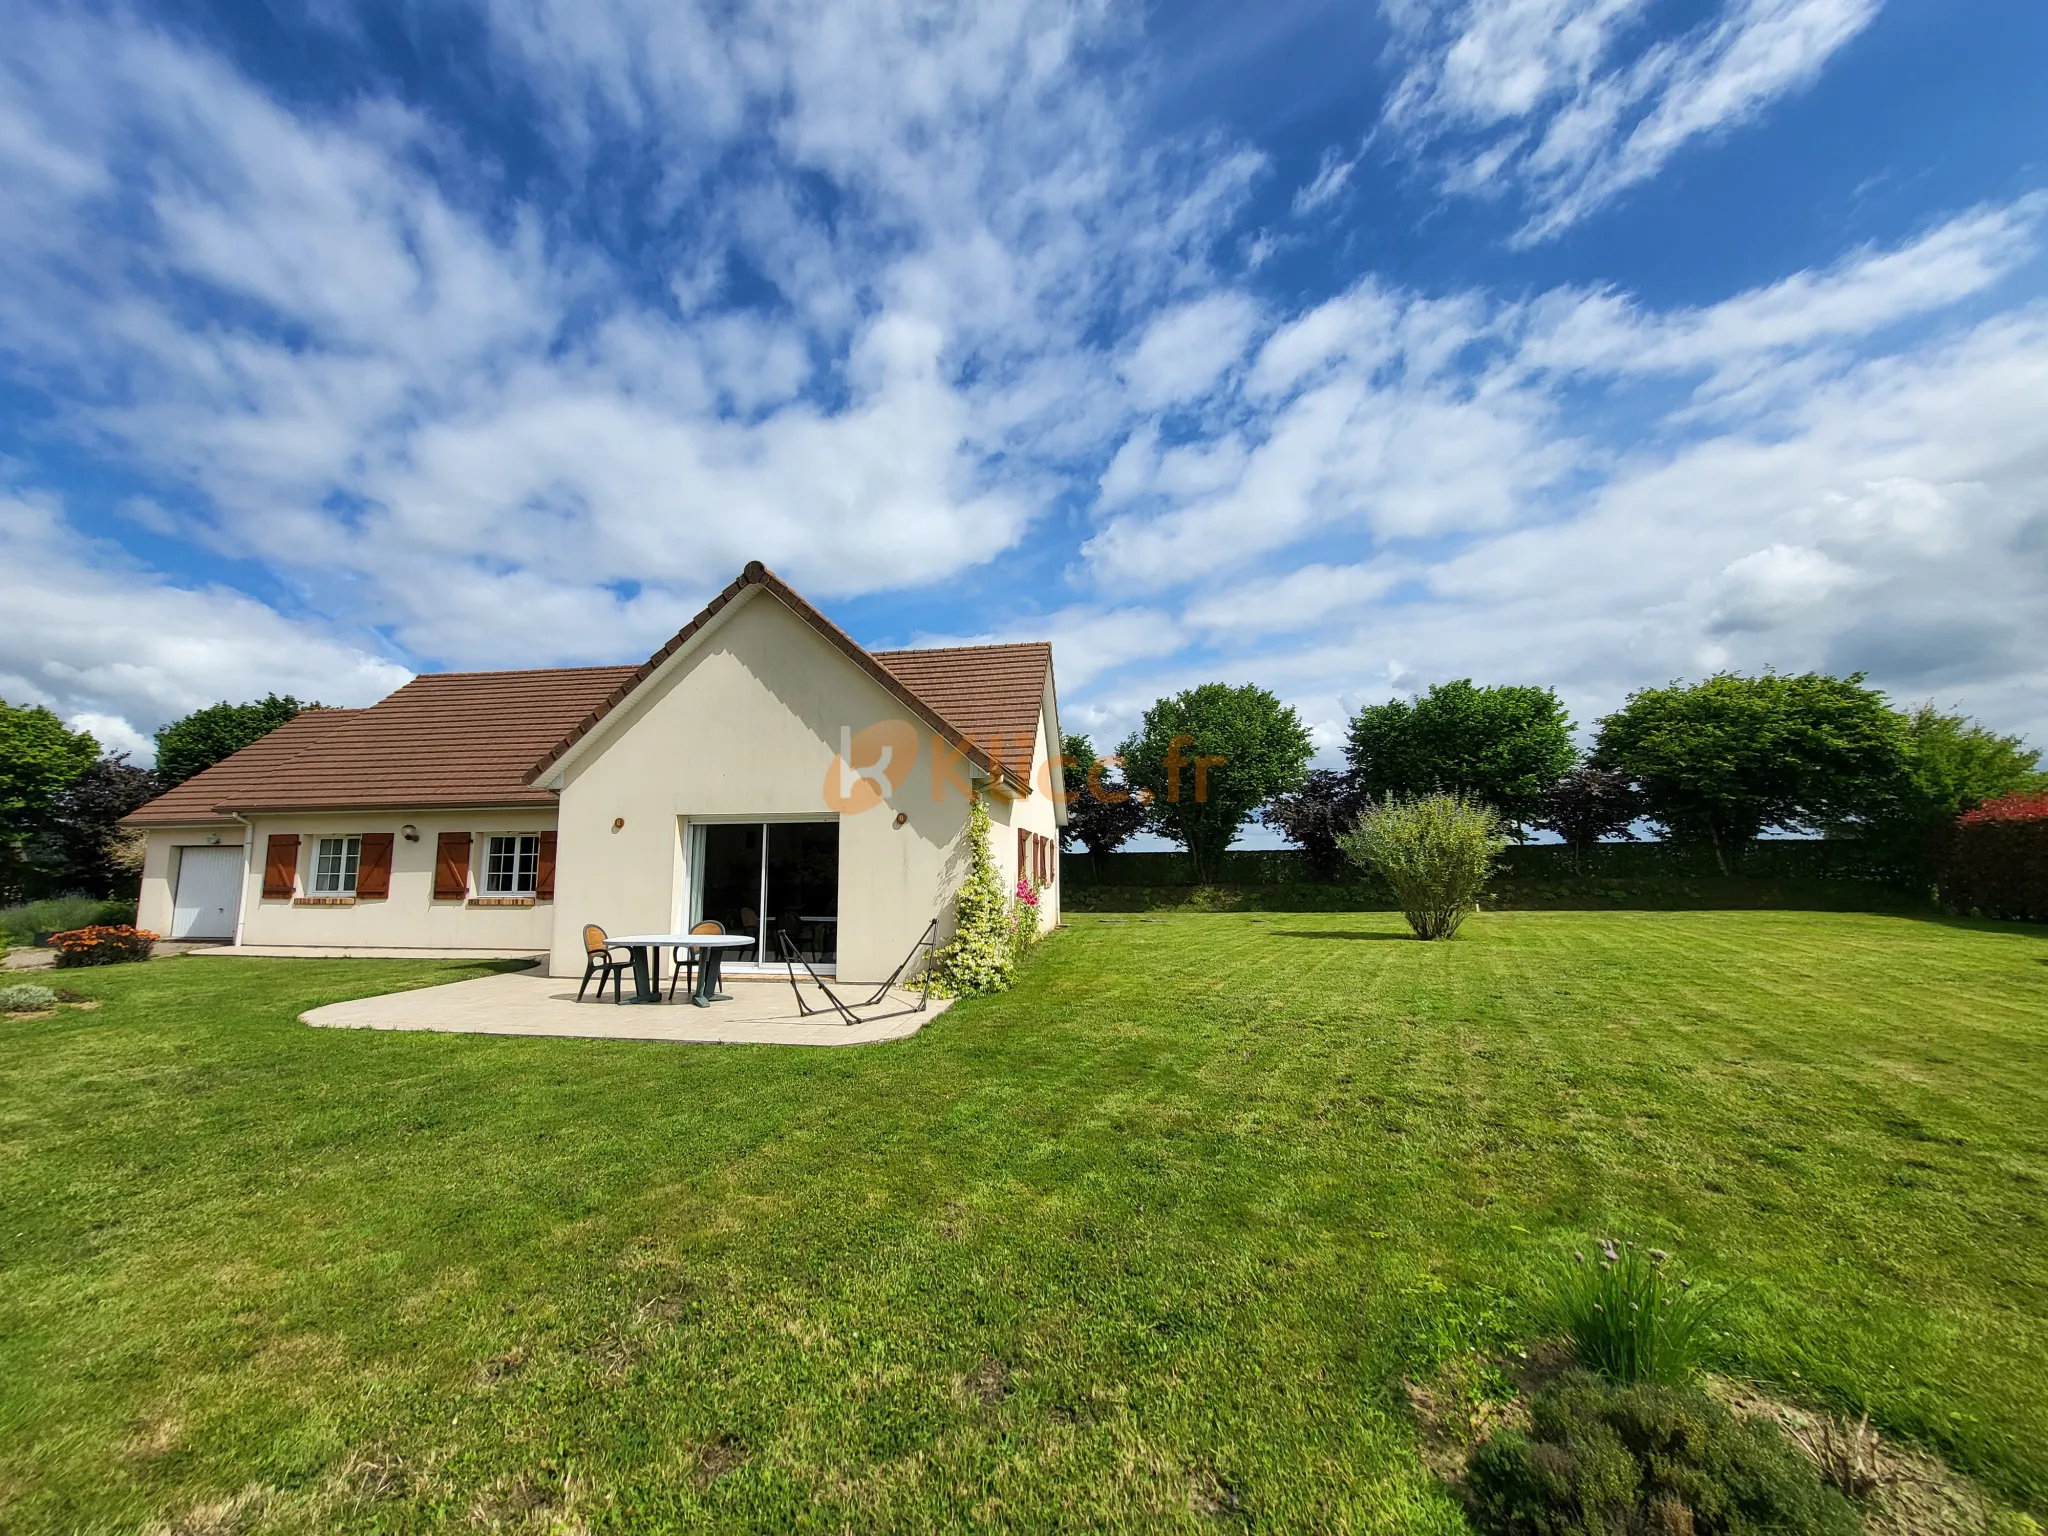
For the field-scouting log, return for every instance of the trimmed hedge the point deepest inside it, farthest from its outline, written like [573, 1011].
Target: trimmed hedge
[1995, 861]
[1530, 863]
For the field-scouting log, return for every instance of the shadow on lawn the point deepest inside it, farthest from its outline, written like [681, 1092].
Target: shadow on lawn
[1341, 933]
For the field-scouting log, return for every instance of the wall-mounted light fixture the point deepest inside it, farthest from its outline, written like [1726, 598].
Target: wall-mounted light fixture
[409, 832]
[902, 817]
[618, 822]
[213, 839]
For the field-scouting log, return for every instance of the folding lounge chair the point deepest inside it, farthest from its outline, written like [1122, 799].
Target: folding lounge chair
[792, 958]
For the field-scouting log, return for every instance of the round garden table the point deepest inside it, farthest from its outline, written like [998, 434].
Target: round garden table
[646, 949]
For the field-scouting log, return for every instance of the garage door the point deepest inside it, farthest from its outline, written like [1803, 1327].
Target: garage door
[209, 892]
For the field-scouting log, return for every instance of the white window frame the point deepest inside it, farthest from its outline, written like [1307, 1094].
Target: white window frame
[521, 862]
[334, 873]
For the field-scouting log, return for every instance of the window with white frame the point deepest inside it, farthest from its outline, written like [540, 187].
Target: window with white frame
[512, 865]
[334, 865]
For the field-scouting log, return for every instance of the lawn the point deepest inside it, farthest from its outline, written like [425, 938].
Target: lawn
[1148, 1243]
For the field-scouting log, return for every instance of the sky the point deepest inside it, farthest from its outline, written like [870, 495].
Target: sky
[1343, 348]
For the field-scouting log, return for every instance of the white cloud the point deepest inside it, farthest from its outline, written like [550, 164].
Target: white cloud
[1573, 101]
[1864, 292]
[1333, 174]
[423, 408]
[118, 650]
[1183, 352]
[426, 417]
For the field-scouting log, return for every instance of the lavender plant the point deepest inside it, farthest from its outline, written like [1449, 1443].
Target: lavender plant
[1632, 1316]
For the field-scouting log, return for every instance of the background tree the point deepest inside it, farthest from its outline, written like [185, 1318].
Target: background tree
[1504, 745]
[1101, 825]
[1211, 757]
[94, 854]
[1315, 816]
[201, 739]
[1724, 760]
[39, 758]
[1950, 765]
[1588, 804]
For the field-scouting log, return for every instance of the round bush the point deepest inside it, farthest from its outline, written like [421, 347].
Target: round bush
[26, 997]
[1435, 852]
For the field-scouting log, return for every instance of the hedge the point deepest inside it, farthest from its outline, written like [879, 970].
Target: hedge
[1995, 862]
[1530, 863]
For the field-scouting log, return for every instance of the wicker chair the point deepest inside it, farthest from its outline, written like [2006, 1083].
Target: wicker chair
[686, 958]
[600, 961]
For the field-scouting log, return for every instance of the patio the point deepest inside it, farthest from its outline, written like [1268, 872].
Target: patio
[763, 1011]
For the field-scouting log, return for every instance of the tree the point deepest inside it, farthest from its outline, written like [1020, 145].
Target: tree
[1588, 804]
[201, 739]
[96, 855]
[1211, 757]
[39, 758]
[1723, 760]
[1504, 745]
[1315, 816]
[1951, 765]
[1103, 813]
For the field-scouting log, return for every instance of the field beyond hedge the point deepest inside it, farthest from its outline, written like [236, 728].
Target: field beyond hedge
[1149, 1243]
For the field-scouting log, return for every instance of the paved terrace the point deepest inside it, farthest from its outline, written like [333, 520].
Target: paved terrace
[763, 1011]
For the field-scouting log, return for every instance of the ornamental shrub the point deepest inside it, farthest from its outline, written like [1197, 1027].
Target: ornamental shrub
[1599, 1458]
[1631, 1316]
[102, 946]
[26, 997]
[981, 957]
[1995, 860]
[1435, 852]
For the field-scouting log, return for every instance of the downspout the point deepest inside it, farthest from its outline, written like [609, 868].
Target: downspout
[248, 852]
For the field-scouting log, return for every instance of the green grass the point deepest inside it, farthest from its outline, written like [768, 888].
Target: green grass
[1147, 1243]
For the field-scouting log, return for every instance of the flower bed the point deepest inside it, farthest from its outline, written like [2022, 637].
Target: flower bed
[110, 945]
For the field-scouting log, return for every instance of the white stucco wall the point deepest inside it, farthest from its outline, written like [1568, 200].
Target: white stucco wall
[410, 917]
[746, 724]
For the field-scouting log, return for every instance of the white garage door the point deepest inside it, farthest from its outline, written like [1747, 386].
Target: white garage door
[209, 891]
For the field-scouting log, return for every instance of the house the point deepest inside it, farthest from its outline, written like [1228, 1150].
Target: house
[761, 770]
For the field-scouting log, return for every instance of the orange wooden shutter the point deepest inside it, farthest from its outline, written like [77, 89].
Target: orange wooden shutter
[373, 868]
[544, 875]
[281, 866]
[451, 866]
[1023, 852]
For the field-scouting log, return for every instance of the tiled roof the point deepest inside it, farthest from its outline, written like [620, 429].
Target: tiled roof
[449, 738]
[489, 738]
[983, 691]
[246, 772]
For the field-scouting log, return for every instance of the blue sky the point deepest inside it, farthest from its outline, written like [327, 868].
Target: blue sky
[1338, 347]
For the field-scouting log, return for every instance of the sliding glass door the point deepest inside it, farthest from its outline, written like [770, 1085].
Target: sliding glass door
[765, 879]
